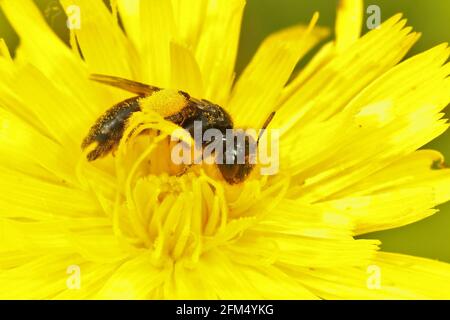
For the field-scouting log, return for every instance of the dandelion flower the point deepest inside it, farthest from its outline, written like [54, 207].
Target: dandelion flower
[351, 123]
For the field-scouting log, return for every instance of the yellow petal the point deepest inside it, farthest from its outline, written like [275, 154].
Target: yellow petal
[385, 210]
[40, 47]
[186, 73]
[350, 128]
[38, 42]
[407, 89]
[66, 120]
[91, 238]
[4, 51]
[311, 250]
[189, 19]
[103, 45]
[387, 276]
[349, 166]
[324, 55]
[348, 22]
[92, 277]
[259, 87]
[271, 283]
[23, 196]
[39, 278]
[186, 283]
[157, 30]
[129, 13]
[28, 236]
[221, 278]
[402, 193]
[99, 244]
[9, 100]
[338, 80]
[217, 47]
[373, 137]
[295, 218]
[135, 279]
[37, 155]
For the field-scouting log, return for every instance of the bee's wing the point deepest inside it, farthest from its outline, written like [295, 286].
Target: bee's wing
[125, 84]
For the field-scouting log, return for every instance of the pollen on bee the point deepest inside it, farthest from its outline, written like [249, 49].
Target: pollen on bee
[165, 102]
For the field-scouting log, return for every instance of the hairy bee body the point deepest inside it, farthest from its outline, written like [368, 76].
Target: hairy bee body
[210, 115]
[185, 111]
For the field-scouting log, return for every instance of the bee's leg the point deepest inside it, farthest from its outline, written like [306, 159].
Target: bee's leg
[136, 127]
[130, 134]
[184, 170]
[101, 150]
[186, 167]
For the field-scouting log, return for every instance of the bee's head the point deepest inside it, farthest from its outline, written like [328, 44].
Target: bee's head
[238, 158]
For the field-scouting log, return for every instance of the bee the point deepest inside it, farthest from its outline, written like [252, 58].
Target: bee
[109, 128]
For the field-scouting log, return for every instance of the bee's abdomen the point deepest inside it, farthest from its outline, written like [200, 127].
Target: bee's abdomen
[108, 129]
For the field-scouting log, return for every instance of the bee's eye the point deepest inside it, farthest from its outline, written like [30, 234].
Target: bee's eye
[229, 172]
[237, 153]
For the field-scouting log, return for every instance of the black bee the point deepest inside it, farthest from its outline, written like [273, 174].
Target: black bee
[110, 127]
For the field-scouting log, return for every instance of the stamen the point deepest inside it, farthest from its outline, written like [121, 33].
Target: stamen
[176, 217]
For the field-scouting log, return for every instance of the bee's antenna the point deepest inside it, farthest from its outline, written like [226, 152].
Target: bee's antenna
[265, 125]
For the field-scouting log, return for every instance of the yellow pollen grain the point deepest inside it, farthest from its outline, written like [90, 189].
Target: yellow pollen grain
[165, 102]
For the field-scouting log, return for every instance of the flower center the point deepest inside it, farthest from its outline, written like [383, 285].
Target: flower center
[177, 212]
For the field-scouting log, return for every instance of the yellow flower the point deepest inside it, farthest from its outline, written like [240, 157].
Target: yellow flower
[127, 226]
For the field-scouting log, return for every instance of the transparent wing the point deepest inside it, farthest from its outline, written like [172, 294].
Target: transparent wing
[125, 84]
